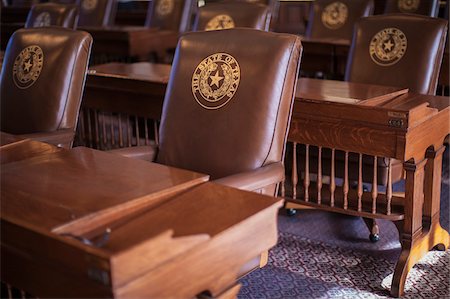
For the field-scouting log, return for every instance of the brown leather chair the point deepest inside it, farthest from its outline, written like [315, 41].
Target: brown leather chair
[42, 82]
[227, 107]
[52, 14]
[335, 19]
[174, 15]
[403, 50]
[228, 15]
[421, 7]
[96, 13]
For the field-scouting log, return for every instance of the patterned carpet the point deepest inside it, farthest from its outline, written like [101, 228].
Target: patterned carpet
[326, 255]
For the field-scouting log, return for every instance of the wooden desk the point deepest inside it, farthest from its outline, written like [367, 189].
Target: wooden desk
[324, 55]
[129, 43]
[85, 223]
[407, 127]
[358, 118]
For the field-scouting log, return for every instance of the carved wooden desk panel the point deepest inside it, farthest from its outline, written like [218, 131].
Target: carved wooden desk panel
[407, 127]
[83, 223]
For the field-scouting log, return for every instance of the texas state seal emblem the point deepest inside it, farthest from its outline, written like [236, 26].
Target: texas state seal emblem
[216, 80]
[28, 66]
[388, 46]
[220, 22]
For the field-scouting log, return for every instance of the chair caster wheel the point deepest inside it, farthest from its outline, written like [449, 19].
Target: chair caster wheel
[374, 238]
[291, 212]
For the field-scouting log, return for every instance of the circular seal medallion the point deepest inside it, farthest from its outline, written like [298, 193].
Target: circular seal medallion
[28, 66]
[215, 80]
[220, 22]
[408, 5]
[388, 46]
[334, 15]
[42, 20]
[164, 7]
[89, 5]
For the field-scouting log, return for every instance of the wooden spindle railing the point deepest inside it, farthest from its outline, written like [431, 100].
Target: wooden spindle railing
[375, 185]
[319, 176]
[332, 177]
[389, 188]
[306, 179]
[294, 170]
[360, 183]
[346, 182]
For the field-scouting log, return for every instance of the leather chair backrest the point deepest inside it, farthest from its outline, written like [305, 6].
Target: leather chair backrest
[336, 18]
[403, 50]
[174, 15]
[52, 14]
[97, 12]
[421, 7]
[228, 101]
[217, 16]
[42, 79]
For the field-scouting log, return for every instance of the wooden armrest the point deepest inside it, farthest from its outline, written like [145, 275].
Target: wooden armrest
[146, 152]
[255, 179]
[60, 138]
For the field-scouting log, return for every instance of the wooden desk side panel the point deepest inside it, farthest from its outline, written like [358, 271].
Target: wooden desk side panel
[46, 265]
[345, 136]
[214, 266]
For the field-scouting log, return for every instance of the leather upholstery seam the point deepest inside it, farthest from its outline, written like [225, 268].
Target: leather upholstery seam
[280, 102]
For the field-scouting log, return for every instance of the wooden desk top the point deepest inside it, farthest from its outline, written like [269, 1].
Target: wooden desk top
[79, 183]
[345, 92]
[141, 71]
[117, 227]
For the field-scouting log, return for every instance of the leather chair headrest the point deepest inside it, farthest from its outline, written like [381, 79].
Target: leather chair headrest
[52, 14]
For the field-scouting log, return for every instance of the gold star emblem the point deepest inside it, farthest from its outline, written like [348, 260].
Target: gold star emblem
[27, 66]
[388, 46]
[215, 79]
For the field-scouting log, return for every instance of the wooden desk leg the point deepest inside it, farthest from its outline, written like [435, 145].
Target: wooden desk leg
[438, 237]
[412, 225]
[421, 228]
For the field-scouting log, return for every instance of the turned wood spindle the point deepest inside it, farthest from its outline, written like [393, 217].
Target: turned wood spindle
[389, 188]
[82, 127]
[90, 137]
[146, 131]
[105, 136]
[113, 137]
[346, 184]
[155, 128]
[136, 119]
[374, 185]
[306, 180]
[119, 116]
[319, 176]
[294, 170]
[129, 133]
[332, 178]
[96, 127]
[8, 287]
[360, 183]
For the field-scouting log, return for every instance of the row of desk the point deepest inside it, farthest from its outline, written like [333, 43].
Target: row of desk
[358, 118]
[86, 223]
